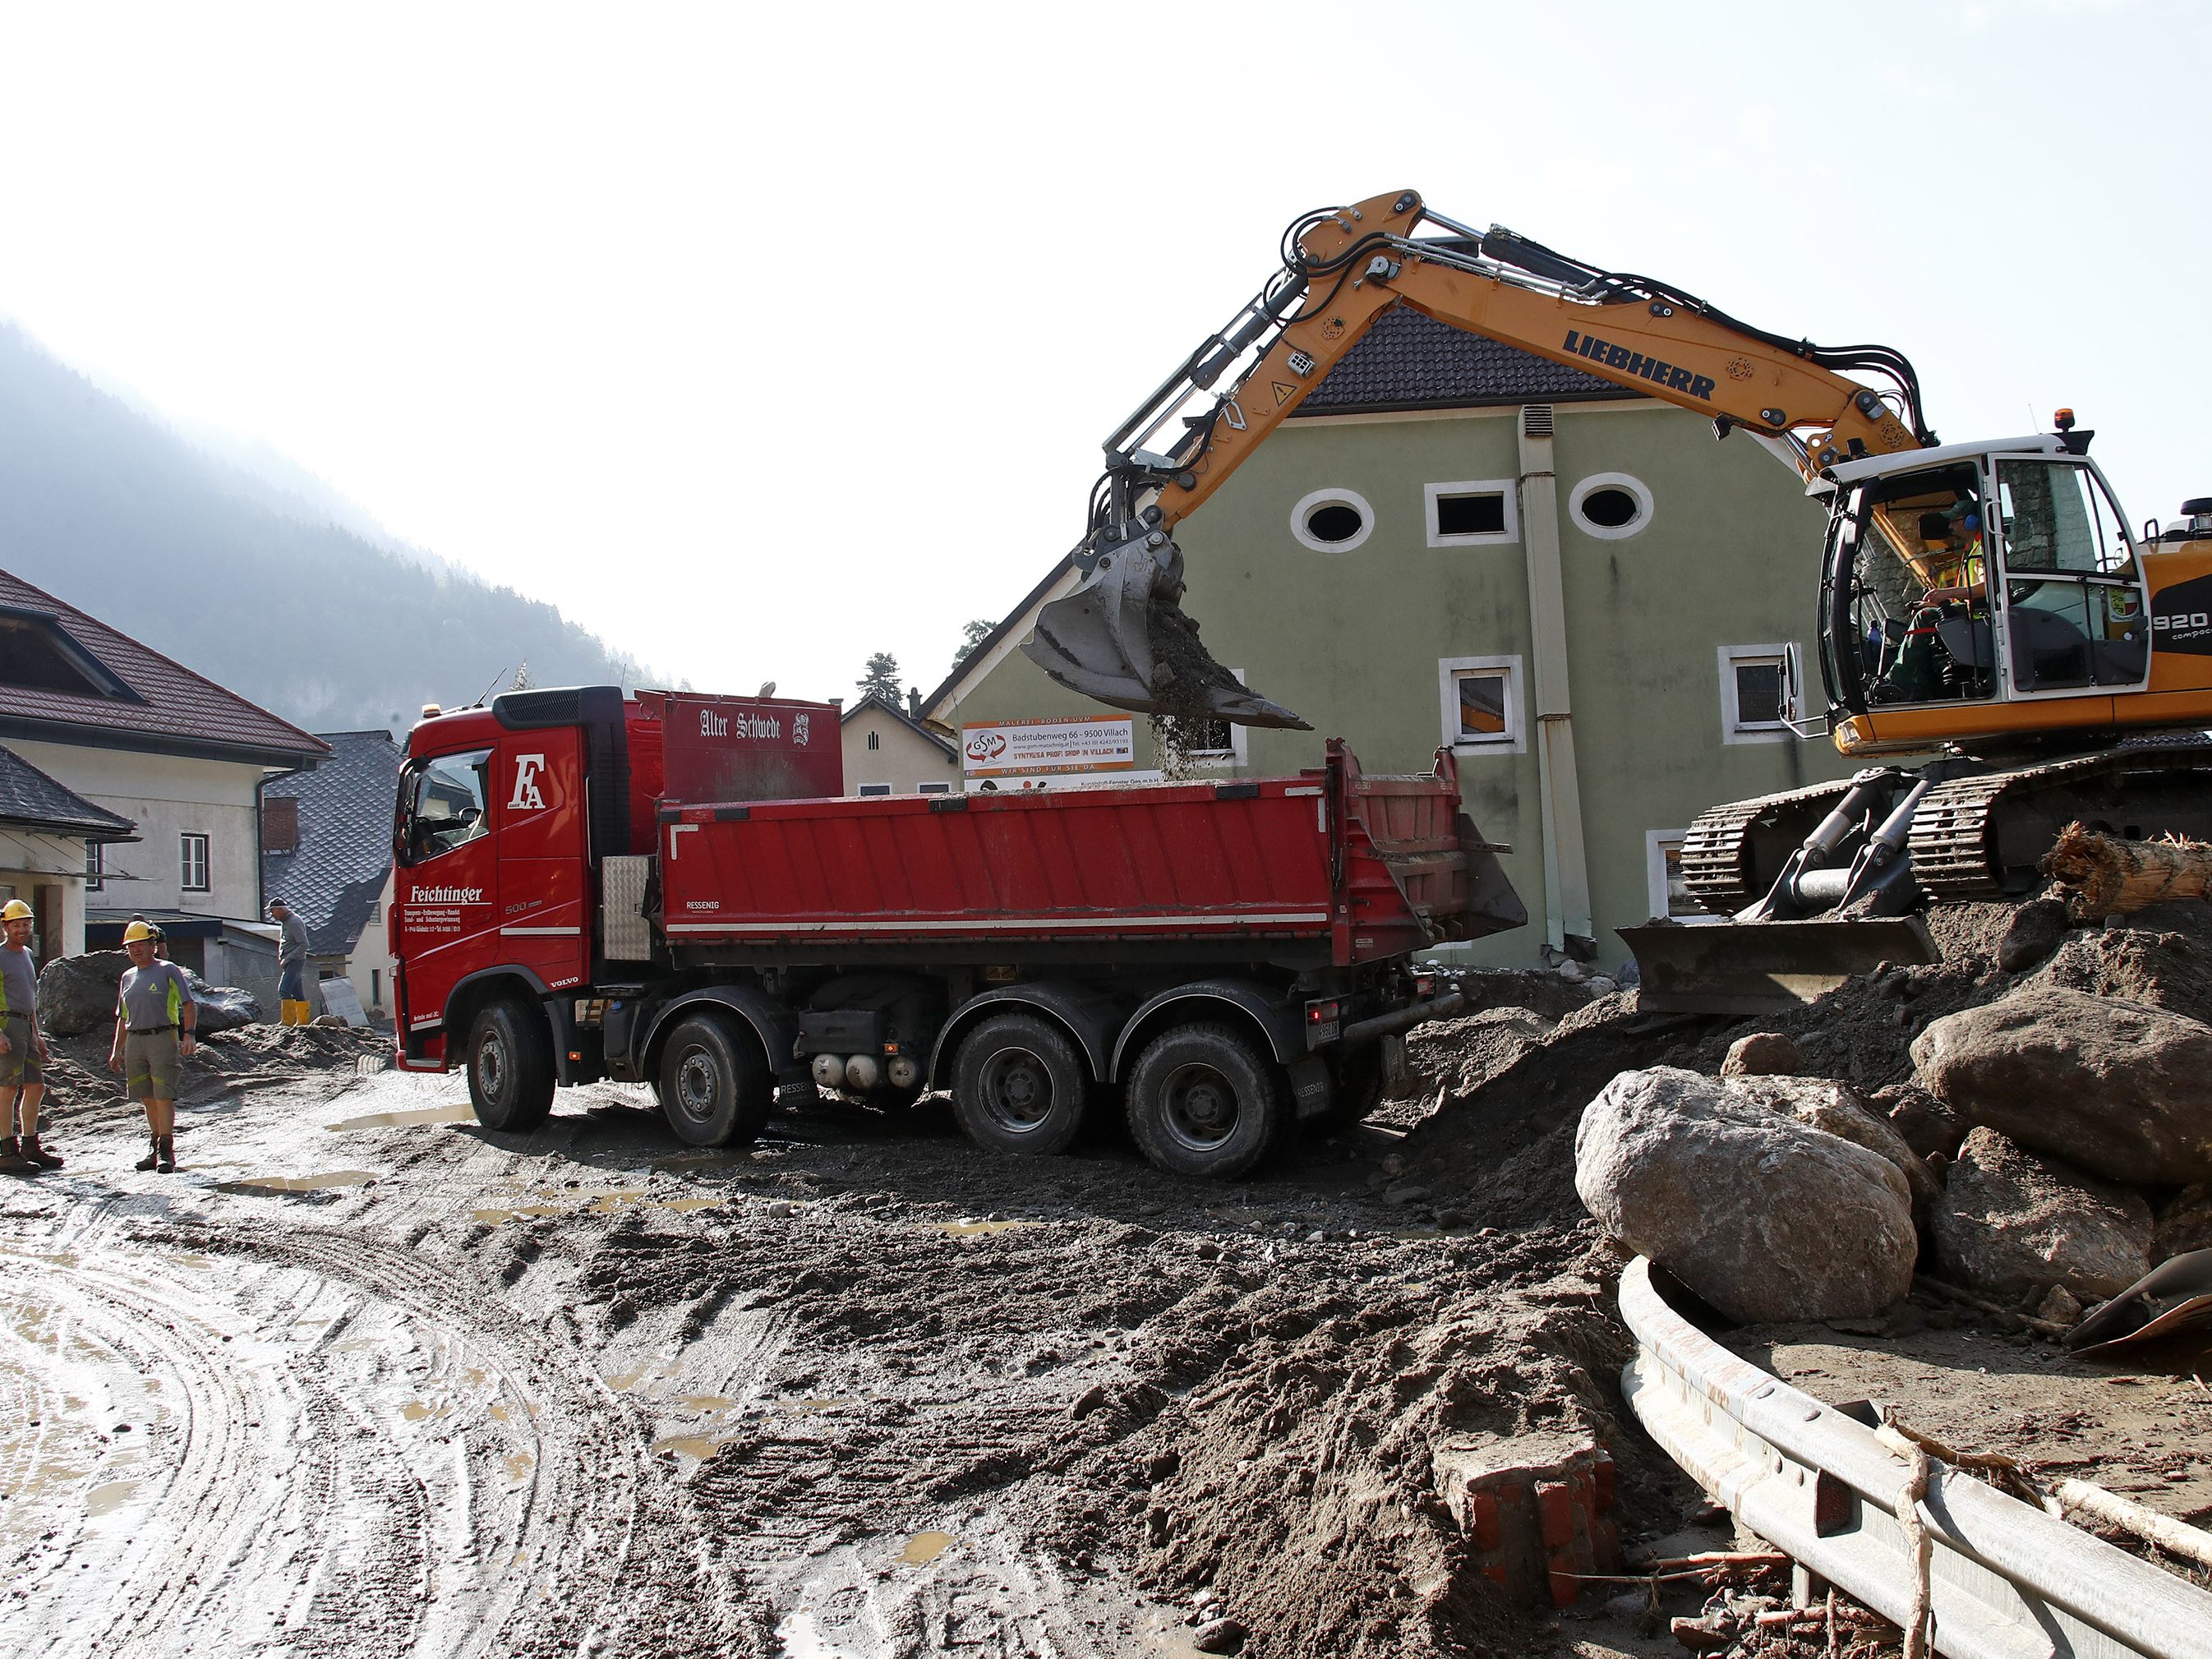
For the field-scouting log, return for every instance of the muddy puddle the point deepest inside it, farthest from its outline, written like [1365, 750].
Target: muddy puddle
[331, 1181]
[463, 1112]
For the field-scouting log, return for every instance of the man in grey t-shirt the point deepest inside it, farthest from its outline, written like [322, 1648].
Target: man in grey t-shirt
[22, 1047]
[291, 965]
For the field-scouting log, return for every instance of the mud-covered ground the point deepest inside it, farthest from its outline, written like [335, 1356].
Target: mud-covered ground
[363, 1377]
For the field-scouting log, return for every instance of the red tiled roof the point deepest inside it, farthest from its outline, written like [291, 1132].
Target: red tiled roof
[174, 709]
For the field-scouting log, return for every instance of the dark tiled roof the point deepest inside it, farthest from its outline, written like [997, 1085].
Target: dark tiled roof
[29, 798]
[333, 878]
[885, 705]
[1411, 362]
[172, 710]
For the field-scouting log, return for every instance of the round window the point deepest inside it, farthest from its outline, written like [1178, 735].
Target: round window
[1610, 505]
[1332, 520]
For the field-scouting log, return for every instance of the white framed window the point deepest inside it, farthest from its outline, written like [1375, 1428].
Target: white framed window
[1663, 872]
[1480, 699]
[1610, 505]
[1222, 742]
[1474, 513]
[1756, 690]
[874, 789]
[1332, 520]
[193, 862]
[932, 788]
[96, 865]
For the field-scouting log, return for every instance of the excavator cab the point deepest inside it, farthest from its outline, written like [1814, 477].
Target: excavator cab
[1978, 596]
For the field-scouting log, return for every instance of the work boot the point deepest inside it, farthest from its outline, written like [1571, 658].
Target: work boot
[12, 1161]
[152, 1153]
[37, 1154]
[165, 1149]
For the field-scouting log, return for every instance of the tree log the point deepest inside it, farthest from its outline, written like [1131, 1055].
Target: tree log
[2105, 876]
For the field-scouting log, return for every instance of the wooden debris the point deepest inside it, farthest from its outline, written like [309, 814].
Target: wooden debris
[2105, 876]
[2174, 1537]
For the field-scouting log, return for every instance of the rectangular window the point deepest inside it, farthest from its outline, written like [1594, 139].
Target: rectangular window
[376, 987]
[1756, 692]
[192, 858]
[1220, 742]
[1662, 864]
[875, 789]
[1474, 513]
[96, 865]
[280, 823]
[1481, 702]
[933, 789]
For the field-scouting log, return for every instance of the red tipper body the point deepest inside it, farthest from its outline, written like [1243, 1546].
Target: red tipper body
[1326, 866]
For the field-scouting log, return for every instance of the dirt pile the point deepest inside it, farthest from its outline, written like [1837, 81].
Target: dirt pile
[80, 1084]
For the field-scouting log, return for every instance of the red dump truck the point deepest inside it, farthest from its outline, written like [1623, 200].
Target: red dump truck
[673, 890]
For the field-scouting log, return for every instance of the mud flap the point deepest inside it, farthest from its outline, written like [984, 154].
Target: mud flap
[1755, 967]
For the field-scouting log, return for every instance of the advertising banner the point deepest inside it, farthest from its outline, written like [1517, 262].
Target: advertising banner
[1091, 743]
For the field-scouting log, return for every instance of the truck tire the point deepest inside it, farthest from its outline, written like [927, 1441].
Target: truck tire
[510, 1067]
[1019, 1086]
[715, 1087]
[1204, 1100]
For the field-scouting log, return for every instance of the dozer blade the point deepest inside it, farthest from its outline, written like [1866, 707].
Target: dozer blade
[1758, 967]
[1123, 639]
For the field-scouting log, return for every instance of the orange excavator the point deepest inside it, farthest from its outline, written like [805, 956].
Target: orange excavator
[1987, 601]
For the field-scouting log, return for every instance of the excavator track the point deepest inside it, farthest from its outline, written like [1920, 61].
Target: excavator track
[1984, 836]
[1716, 850]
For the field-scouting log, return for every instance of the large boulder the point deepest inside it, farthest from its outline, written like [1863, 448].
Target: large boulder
[1929, 1126]
[1835, 1107]
[2122, 1089]
[78, 993]
[1765, 1217]
[2185, 1223]
[1763, 1054]
[2010, 1222]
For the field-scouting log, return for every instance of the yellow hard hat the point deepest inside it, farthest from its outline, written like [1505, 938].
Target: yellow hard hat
[138, 931]
[16, 910]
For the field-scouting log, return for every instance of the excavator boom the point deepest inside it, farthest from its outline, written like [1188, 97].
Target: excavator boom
[1121, 636]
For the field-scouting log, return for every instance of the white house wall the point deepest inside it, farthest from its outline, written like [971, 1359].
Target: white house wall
[168, 796]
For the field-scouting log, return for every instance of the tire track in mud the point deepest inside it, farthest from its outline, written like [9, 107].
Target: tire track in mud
[293, 1498]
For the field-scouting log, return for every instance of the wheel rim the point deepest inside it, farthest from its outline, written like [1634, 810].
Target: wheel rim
[491, 1065]
[1017, 1091]
[1199, 1108]
[696, 1085]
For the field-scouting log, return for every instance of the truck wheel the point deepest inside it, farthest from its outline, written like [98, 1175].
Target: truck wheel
[715, 1088]
[510, 1067]
[1204, 1101]
[1019, 1087]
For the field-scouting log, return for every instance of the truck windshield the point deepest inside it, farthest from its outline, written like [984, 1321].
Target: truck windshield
[442, 804]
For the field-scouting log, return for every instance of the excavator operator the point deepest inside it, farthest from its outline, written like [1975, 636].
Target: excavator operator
[1943, 653]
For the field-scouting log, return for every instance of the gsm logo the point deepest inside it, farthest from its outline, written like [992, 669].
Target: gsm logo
[526, 797]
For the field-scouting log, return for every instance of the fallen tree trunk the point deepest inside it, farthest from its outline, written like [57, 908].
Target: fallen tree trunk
[2105, 876]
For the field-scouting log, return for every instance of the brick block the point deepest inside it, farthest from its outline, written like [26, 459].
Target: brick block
[1535, 1509]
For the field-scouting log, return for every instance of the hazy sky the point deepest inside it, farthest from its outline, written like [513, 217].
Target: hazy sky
[759, 338]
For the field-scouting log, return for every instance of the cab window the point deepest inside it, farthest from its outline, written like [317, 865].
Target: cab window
[2058, 521]
[442, 804]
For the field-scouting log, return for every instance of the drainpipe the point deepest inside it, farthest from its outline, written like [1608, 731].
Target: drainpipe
[1566, 869]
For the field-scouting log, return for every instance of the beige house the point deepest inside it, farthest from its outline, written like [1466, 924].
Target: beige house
[890, 751]
[154, 746]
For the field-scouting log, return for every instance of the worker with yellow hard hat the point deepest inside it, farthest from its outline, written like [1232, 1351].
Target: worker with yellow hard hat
[154, 1014]
[22, 1047]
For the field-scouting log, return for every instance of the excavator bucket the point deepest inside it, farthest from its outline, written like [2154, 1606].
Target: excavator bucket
[1122, 638]
[1761, 966]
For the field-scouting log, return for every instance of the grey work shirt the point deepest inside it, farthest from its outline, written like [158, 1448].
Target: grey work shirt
[19, 982]
[292, 947]
[153, 997]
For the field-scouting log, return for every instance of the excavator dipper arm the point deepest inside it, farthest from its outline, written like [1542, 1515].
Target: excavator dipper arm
[1121, 636]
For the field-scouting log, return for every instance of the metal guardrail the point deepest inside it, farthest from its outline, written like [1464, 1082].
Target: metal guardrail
[2006, 1580]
